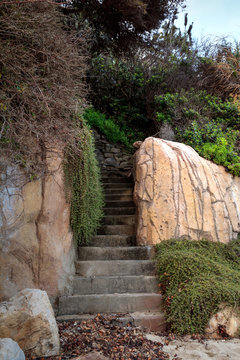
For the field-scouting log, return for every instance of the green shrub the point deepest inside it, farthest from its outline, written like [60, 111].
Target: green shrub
[204, 122]
[119, 90]
[83, 187]
[110, 129]
[195, 278]
[211, 142]
[187, 106]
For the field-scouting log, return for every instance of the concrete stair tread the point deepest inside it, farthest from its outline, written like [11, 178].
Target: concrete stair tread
[123, 229]
[117, 179]
[118, 197]
[115, 253]
[117, 185]
[127, 302]
[125, 295]
[114, 284]
[124, 262]
[149, 320]
[119, 216]
[113, 248]
[117, 204]
[117, 277]
[116, 191]
[130, 210]
[119, 219]
[112, 240]
[115, 267]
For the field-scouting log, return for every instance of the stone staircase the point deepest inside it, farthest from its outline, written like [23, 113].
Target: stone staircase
[112, 274]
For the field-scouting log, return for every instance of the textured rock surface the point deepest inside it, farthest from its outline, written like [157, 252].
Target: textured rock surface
[28, 319]
[36, 248]
[228, 319]
[199, 350]
[181, 195]
[112, 156]
[9, 350]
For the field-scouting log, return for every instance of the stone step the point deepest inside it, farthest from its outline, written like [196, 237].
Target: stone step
[115, 267]
[116, 230]
[113, 240]
[118, 197]
[147, 320]
[116, 173]
[115, 253]
[108, 303]
[114, 284]
[118, 179]
[119, 220]
[114, 204]
[123, 191]
[116, 185]
[120, 211]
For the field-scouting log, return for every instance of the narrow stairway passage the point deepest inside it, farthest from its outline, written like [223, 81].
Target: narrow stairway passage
[113, 275]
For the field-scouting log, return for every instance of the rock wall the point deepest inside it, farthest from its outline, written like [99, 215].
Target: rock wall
[112, 156]
[36, 248]
[179, 194]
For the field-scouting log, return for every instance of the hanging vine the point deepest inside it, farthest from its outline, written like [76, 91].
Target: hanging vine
[84, 188]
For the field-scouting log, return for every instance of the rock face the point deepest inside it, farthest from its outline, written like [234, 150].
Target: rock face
[227, 319]
[179, 194]
[36, 248]
[112, 157]
[28, 319]
[9, 350]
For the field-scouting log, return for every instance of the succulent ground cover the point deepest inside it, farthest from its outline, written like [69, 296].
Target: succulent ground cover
[195, 278]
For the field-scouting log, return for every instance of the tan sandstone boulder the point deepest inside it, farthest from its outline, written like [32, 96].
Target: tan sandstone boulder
[179, 194]
[225, 322]
[28, 319]
[36, 247]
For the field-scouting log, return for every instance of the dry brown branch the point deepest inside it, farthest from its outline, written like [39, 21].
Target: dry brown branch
[222, 75]
[27, 1]
[42, 74]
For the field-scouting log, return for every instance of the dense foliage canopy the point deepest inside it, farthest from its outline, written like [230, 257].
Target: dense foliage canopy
[121, 24]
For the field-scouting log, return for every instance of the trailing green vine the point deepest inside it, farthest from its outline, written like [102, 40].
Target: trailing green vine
[83, 187]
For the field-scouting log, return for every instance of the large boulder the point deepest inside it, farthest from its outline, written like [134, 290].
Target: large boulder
[179, 194]
[28, 319]
[9, 350]
[36, 247]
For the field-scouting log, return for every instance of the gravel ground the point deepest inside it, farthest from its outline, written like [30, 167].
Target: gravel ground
[104, 335]
[105, 338]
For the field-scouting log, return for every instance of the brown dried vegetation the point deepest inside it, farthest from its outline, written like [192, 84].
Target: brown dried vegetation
[42, 70]
[221, 75]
